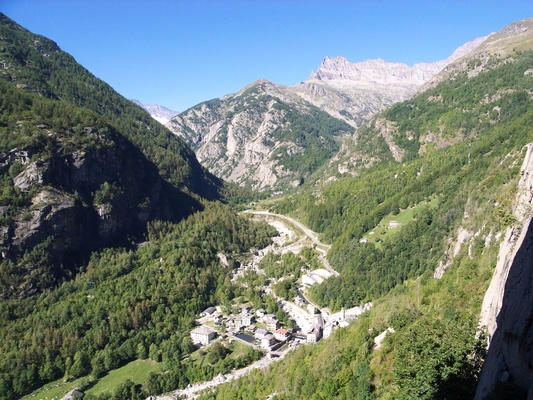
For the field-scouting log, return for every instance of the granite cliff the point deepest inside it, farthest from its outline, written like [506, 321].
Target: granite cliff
[506, 314]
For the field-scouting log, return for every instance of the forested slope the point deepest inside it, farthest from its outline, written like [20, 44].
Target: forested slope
[126, 304]
[38, 65]
[109, 237]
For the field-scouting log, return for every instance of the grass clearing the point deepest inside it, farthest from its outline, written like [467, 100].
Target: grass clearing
[392, 224]
[54, 390]
[136, 371]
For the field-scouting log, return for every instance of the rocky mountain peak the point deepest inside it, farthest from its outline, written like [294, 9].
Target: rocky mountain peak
[157, 111]
[374, 70]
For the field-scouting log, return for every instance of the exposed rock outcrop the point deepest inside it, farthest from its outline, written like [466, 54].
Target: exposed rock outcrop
[81, 201]
[507, 311]
[356, 91]
[253, 137]
[74, 394]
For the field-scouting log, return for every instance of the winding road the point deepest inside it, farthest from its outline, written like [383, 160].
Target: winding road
[321, 247]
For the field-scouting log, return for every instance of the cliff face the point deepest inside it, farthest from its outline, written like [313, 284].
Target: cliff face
[507, 311]
[80, 201]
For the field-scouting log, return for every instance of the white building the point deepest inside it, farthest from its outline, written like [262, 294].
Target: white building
[271, 324]
[314, 334]
[282, 334]
[245, 320]
[202, 335]
[267, 341]
[260, 333]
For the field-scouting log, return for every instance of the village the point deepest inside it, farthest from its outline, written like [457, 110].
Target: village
[261, 330]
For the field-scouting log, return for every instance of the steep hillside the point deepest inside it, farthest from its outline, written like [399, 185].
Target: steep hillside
[70, 184]
[36, 64]
[81, 167]
[472, 96]
[263, 136]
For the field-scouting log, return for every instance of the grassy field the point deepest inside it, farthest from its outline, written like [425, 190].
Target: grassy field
[54, 390]
[136, 371]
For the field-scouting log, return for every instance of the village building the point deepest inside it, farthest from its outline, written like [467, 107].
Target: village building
[244, 320]
[260, 313]
[318, 320]
[245, 309]
[260, 333]
[314, 334]
[328, 330]
[218, 319]
[208, 311]
[282, 334]
[267, 341]
[269, 316]
[271, 324]
[202, 335]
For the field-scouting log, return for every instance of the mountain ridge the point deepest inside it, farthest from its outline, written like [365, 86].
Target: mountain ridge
[264, 136]
[242, 145]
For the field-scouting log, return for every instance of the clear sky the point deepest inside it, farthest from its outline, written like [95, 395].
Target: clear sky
[179, 53]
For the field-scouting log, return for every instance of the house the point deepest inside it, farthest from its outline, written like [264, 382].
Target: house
[314, 334]
[260, 333]
[208, 311]
[267, 341]
[244, 320]
[202, 335]
[260, 313]
[269, 316]
[328, 330]
[318, 320]
[282, 334]
[271, 324]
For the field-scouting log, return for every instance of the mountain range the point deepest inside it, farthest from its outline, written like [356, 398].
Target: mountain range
[253, 137]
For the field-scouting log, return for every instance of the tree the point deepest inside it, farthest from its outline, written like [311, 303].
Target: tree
[81, 365]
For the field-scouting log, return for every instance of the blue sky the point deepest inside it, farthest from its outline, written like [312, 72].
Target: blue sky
[179, 53]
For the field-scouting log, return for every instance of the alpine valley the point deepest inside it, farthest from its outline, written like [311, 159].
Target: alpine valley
[380, 213]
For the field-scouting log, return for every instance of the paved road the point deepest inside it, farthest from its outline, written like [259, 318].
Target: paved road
[321, 247]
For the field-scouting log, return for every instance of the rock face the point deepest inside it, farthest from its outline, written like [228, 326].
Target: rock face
[507, 311]
[82, 201]
[357, 91]
[264, 136]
